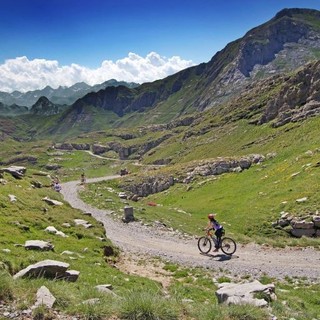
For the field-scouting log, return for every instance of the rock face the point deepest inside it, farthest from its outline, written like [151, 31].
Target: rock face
[149, 185]
[298, 99]
[231, 293]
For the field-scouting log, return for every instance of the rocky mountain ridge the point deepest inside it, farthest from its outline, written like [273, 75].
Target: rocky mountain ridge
[60, 95]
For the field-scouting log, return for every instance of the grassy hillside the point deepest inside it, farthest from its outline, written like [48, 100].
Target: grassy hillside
[136, 297]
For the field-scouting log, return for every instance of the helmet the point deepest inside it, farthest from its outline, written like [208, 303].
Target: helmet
[211, 216]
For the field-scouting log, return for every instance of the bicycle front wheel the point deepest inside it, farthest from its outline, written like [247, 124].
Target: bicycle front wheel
[228, 246]
[204, 244]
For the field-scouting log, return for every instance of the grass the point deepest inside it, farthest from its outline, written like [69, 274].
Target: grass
[191, 291]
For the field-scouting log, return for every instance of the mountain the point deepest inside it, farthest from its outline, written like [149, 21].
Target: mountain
[286, 42]
[45, 107]
[61, 95]
[12, 110]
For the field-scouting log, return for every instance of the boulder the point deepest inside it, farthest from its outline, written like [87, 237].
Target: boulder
[105, 288]
[12, 198]
[303, 232]
[52, 229]
[46, 268]
[52, 202]
[244, 293]
[38, 245]
[82, 222]
[16, 171]
[302, 224]
[316, 221]
[44, 297]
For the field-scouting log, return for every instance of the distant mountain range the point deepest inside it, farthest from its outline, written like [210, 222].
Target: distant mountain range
[267, 56]
[61, 95]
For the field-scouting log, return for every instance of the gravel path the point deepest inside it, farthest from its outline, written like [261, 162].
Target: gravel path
[250, 259]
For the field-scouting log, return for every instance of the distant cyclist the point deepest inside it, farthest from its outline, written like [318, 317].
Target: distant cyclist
[83, 178]
[213, 224]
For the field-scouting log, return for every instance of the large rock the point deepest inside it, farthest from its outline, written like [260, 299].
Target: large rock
[38, 245]
[52, 202]
[303, 232]
[244, 293]
[44, 297]
[316, 221]
[16, 171]
[46, 268]
[302, 224]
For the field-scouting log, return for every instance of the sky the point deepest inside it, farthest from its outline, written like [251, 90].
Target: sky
[62, 42]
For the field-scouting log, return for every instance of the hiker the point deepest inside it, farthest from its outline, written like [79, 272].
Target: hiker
[213, 224]
[57, 186]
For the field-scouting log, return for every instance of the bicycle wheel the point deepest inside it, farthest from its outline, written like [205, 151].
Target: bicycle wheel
[204, 244]
[228, 246]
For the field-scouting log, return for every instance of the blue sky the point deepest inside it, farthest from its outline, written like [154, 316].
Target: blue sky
[90, 39]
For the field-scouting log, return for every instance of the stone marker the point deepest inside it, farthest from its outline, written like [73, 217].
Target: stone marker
[128, 214]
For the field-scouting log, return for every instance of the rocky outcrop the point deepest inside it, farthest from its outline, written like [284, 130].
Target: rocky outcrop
[220, 166]
[307, 226]
[298, 98]
[19, 159]
[149, 185]
[158, 183]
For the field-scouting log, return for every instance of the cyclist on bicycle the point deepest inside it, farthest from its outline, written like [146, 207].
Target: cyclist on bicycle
[213, 224]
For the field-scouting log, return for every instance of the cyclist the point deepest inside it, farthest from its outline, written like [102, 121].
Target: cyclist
[213, 224]
[83, 178]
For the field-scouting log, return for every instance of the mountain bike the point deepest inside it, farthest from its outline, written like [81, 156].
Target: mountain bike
[227, 245]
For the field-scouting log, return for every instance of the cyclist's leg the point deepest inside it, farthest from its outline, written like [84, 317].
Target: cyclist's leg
[218, 234]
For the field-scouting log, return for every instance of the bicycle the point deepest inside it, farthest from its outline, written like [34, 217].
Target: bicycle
[227, 245]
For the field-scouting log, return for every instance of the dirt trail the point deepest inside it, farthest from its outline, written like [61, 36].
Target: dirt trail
[252, 259]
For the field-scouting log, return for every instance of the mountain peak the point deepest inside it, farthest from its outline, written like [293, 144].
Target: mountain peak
[290, 12]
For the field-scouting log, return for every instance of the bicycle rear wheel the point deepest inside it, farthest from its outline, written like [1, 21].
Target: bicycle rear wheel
[228, 246]
[204, 244]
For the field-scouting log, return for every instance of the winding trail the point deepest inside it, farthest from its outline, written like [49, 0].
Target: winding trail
[249, 259]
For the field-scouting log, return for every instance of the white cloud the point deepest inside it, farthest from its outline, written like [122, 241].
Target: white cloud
[23, 74]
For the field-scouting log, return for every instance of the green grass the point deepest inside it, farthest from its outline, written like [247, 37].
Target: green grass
[191, 290]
